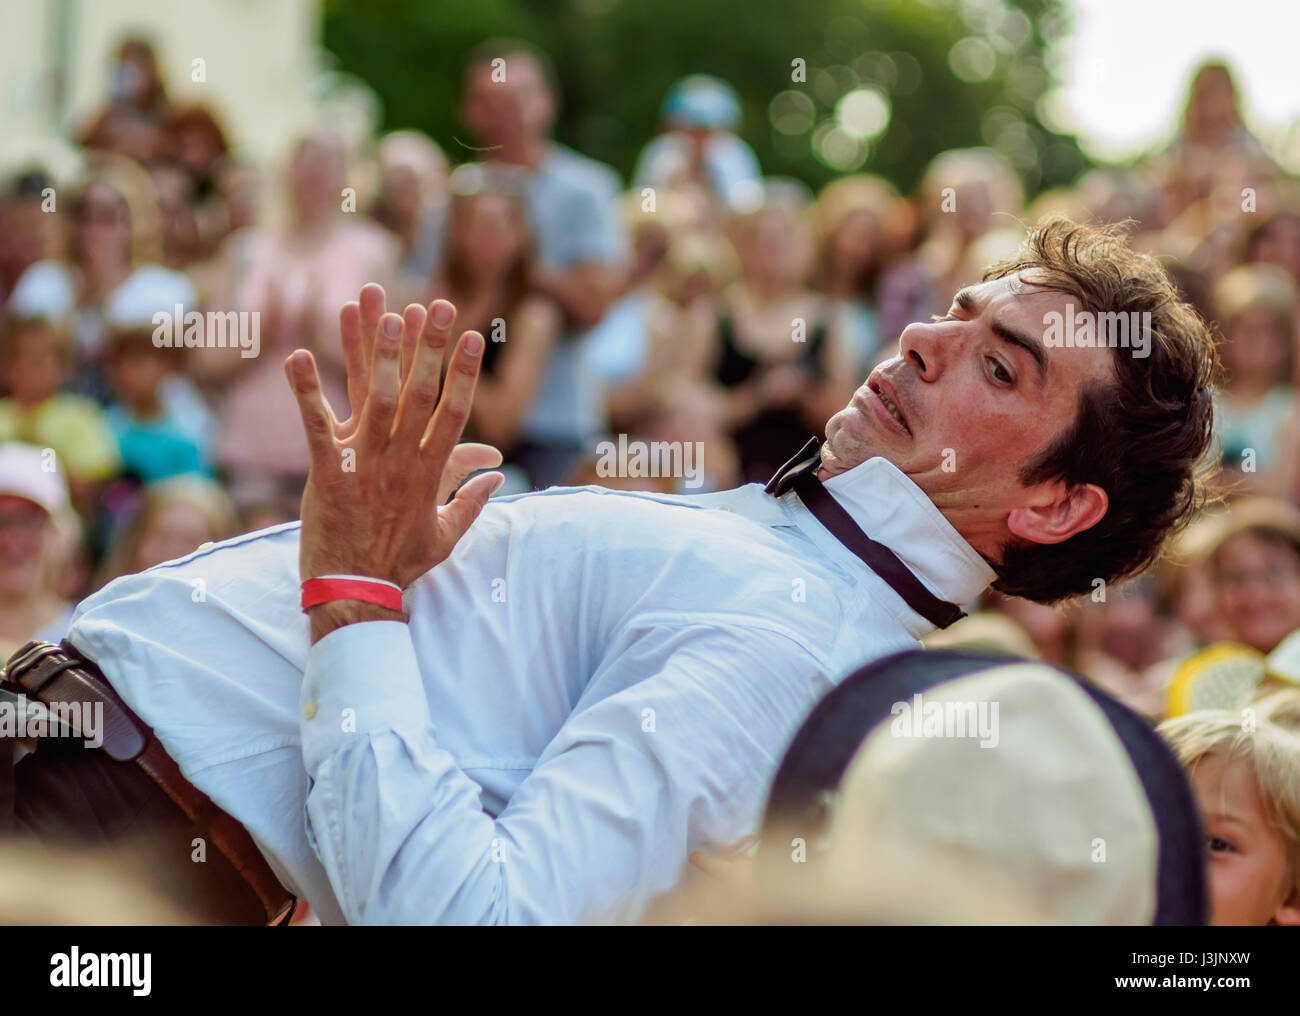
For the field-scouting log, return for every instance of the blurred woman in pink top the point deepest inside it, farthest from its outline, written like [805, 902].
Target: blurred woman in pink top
[297, 282]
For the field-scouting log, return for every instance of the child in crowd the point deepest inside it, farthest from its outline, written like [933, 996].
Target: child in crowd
[1245, 770]
[154, 440]
[1254, 413]
[35, 360]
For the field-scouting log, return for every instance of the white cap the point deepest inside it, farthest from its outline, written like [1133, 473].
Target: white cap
[33, 473]
[44, 290]
[150, 289]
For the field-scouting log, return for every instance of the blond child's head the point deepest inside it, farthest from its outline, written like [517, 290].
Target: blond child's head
[1245, 770]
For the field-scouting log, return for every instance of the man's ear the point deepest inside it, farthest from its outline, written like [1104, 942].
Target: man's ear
[1060, 512]
[1288, 911]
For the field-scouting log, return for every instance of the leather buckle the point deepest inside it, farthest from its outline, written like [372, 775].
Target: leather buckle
[59, 679]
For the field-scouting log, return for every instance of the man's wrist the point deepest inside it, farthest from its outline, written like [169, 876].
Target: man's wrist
[328, 617]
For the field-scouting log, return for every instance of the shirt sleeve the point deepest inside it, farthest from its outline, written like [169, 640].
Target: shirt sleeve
[628, 787]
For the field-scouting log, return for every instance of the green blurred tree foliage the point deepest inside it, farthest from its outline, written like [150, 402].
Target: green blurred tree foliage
[952, 73]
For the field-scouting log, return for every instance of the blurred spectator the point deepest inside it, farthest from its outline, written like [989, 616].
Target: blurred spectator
[1121, 642]
[34, 360]
[1256, 310]
[964, 194]
[296, 285]
[1052, 629]
[412, 201]
[162, 426]
[654, 221]
[33, 495]
[199, 147]
[182, 244]
[699, 148]
[1214, 157]
[1255, 569]
[247, 246]
[780, 362]
[658, 339]
[29, 231]
[134, 121]
[852, 220]
[1185, 588]
[487, 273]
[1276, 241]
[509, 105]
[117, 238]
[172, 518]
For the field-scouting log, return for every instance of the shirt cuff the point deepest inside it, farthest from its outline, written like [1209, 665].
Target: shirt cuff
[361, 679]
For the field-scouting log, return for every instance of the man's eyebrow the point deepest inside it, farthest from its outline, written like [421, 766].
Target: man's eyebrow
[968, 302]
[1029, 344]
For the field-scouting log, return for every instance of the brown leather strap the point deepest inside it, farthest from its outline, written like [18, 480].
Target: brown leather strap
[51, 675]
[227, 835]
[56, 675]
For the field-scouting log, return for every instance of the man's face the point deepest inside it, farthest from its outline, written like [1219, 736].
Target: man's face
[980, 395]
[506, 111]
[1247, 853]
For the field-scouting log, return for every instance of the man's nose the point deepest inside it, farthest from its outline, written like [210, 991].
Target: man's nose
[929, 346]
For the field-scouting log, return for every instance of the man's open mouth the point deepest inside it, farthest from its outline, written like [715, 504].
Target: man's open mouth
[887, 399]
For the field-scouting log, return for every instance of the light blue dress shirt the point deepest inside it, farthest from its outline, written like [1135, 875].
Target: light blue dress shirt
[593, 685]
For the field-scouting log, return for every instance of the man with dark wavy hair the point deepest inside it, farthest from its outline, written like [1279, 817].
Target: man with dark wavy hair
[532, 710]
[1061, 465]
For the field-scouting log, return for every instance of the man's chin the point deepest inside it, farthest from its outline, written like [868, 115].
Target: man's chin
[850, 440]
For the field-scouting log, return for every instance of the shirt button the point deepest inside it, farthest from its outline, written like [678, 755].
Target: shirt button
[725, 508]
[309, 709]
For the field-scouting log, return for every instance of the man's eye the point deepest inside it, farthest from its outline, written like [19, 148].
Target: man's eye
[998, 372]
[950, 316]
[1218, 845]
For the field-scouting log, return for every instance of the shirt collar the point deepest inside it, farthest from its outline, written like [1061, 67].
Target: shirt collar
[890, 508]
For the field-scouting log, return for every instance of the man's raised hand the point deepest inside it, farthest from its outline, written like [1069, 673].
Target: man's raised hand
[359, 328]
[372, 501]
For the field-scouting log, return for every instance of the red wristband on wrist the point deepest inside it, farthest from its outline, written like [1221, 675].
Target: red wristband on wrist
[351, 587]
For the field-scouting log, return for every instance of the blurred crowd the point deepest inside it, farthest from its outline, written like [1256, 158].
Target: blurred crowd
[702, 301]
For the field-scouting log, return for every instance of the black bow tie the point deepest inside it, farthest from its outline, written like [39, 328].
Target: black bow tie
[800, 475]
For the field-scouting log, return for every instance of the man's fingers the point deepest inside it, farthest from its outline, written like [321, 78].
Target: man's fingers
[423, 381]
[465, 459]
[455, 518]
[412, 328]
[373, 304]
[317, 418]
[449, 419]
[385, 382]
[437, 328]
[356, 356]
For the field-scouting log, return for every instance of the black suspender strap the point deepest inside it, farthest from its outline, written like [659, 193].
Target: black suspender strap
[800, 475]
